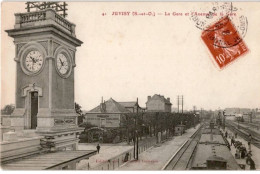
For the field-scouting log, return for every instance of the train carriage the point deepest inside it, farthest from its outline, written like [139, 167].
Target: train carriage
[214, 157]
[212, 152]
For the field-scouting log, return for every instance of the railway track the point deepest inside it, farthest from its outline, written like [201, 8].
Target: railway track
[252, 125]
[182, 158]
[244, 132]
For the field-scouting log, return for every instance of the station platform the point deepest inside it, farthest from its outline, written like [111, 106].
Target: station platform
[254, 149]
[156, 157]
[107, 152]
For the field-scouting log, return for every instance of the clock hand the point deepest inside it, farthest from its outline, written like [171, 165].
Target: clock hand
[61, 62]
[33, 60]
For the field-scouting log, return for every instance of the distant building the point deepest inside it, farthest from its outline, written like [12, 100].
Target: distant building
[235, 111]
[108, 114]
[158, 103]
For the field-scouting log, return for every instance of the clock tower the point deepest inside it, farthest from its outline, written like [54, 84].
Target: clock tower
[45, 47]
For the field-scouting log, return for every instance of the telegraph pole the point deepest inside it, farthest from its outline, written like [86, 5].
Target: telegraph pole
[224, 119]
[178, 103]
[201, 112]
[134, 139]
[194, 109]
[194, 113]
[137, 131]
[182, 104]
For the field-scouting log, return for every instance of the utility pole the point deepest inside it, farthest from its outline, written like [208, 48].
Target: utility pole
[134, 139]
[182, 104]
[201, 112]
[178, 103]
[134, 135]
[137, 131]
[156, 130]
[224, 119]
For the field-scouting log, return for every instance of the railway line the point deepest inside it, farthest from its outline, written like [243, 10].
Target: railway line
[253, 125]
[181, 160]
[244, 132]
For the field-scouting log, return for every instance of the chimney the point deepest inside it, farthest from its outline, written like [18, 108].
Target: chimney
[169, 99]
[103, 105]
[148, 98]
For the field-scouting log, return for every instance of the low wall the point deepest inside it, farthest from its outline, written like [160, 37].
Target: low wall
[6, 120]
[119, 160]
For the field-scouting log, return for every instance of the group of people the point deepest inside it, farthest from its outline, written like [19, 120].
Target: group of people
[241, 151]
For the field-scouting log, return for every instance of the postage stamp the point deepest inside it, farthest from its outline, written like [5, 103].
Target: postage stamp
[224, 42]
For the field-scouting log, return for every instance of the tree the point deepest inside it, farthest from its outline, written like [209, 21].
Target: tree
[8, 109]
[79, 112]
[127, 125]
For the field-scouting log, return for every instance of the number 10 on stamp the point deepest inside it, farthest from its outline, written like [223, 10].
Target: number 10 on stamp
[224, 42]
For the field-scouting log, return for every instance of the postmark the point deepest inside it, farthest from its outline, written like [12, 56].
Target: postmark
[224, 26]
[211, 12]
[205, 16]
[224, 42]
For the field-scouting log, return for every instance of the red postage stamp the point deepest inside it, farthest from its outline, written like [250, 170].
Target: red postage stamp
[224, 42]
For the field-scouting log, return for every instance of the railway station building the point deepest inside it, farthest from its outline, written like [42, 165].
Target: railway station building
[108, 114]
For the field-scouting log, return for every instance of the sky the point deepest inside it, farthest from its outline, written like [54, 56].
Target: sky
[130, 57]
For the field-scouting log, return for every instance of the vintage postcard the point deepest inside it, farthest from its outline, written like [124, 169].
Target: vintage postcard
[130, 85]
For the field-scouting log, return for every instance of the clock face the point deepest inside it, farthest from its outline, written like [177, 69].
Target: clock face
[62, 64]
[34, 61]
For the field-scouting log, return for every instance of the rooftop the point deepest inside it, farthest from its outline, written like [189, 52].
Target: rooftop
[110, 106]
[159, 97]
[128, 104]
[43, 21]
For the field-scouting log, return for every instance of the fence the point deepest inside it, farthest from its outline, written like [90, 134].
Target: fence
[119, 160]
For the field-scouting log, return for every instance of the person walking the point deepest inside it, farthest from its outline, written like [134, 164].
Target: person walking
[249, 146]
[249, 142]
[98, 148]
[250, 138]
[252, 164]
[249, 155]
[235, 135]
[243, 152]
[226, 134]
[232, 141]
